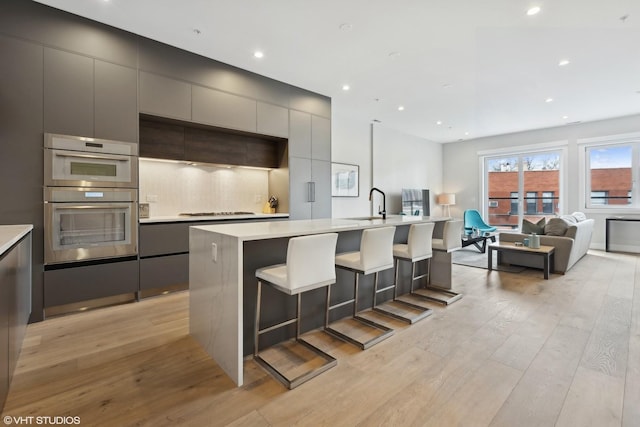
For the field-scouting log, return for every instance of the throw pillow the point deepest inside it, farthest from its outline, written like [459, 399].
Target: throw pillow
[569, 218]
[529, 227]
[556, 227]
[579, 216]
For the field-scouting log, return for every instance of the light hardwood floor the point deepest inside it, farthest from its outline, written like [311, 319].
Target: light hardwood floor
[515, 351]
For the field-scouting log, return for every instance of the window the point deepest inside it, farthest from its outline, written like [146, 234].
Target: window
[514, 203]
[547, 202]
[599, 198]
[532, 201]
[610, 172]
[517, 183]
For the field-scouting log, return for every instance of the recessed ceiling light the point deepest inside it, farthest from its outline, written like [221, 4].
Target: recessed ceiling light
[564, 62]
[346, 87]
[466, 134]
[565, 117]
[258, 54]
[439, 122]
[548, 100]
[346, 27]
[533, 11]
[401, 108]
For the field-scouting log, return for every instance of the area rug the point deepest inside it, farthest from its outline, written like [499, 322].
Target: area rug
[471, 257]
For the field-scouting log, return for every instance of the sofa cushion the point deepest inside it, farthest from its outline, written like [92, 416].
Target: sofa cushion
[529, 227]
[579, 216]
[570, 219]
[556, 227]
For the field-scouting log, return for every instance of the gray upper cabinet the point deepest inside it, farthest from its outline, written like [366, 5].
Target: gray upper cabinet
[222, 109]
[68, 93]
[164, 97]
[299, 134]
[272, 120]
[116, 102]
[309, 166]
[320, 138]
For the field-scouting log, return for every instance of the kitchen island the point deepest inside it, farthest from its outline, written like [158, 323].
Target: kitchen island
[222, 263]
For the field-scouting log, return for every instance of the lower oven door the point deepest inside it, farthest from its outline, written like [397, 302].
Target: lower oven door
[83, 231]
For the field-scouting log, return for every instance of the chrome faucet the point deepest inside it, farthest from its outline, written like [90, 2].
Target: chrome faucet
[382, 212]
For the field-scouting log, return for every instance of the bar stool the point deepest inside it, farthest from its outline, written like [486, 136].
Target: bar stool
[443, 247]
[310, 265]
[417, 248]
[375, 255]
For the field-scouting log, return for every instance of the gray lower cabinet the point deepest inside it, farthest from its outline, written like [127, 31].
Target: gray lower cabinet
[164, 251]
[309, 188]
[164, 97]
[15, 308]
[81, 283]
[68, 93]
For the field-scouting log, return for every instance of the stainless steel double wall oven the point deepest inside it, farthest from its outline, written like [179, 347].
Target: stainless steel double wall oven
[90, 199]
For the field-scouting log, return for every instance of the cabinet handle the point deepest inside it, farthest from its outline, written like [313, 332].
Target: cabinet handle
[311, 191]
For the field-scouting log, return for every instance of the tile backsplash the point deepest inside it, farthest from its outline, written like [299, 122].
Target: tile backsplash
[171, 188]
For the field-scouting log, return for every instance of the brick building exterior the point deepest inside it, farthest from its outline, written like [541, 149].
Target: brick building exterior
[541, 198]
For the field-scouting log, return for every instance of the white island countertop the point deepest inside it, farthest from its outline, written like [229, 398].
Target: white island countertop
[274, 230]
[11, 234]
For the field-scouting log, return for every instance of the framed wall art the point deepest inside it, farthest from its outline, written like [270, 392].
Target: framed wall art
[344, 180]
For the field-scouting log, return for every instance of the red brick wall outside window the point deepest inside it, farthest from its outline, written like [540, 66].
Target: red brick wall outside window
[616, 182]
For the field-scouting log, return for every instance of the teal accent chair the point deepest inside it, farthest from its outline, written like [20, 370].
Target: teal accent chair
[472, 219]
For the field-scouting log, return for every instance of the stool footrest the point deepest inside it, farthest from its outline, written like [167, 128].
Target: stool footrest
[291, 383]
[277, 326]
[442, 296]
[343, 303]
[404, 311]
[382, 333]
[385, 289]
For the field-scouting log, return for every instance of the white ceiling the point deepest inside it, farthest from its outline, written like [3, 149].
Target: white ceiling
[479, 67]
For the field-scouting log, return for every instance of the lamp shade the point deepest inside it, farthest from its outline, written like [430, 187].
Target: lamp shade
[447, 199]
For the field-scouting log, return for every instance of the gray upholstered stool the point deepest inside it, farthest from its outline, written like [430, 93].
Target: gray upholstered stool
[417, 248]
[310, 265]
[375, 255]
[444, 246]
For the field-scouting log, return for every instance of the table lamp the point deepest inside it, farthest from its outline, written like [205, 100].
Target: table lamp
[447, 199]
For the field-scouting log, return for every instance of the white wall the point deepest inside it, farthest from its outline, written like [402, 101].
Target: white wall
[405, 161]
[351, 143]
[462, 167]
[388, 159]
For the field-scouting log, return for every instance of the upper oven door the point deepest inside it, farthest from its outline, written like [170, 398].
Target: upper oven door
[79, 169]
[73, 161]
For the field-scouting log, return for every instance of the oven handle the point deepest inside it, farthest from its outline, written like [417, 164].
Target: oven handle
[93, 156]
[101, 206]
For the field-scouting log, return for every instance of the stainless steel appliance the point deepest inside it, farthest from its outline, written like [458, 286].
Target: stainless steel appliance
[89, 162]
[89, 223]
[90, 199]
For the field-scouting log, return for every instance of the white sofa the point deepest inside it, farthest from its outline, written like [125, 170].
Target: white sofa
[569, 248]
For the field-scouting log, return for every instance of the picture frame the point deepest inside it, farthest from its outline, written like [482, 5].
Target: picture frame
[345, 180]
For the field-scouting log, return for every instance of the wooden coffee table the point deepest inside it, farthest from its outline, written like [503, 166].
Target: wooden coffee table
[546, 252]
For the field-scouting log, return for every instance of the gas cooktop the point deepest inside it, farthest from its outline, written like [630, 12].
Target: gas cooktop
[215, 213]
